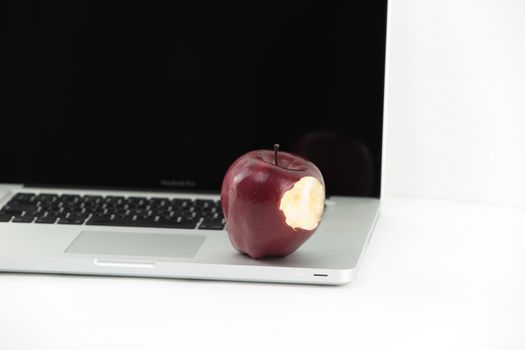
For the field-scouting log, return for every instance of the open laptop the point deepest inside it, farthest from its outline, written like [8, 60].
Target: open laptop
[118, 123]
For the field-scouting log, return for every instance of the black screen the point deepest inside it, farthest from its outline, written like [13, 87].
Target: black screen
[167, 95]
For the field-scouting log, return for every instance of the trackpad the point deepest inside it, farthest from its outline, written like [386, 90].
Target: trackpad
[136, 244]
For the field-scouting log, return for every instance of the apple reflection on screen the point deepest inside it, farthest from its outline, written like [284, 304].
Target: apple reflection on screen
[346, 163]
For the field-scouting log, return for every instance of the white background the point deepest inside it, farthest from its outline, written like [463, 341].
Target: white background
[456, 100]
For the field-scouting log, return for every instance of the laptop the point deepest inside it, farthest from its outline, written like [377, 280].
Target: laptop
[118, 123]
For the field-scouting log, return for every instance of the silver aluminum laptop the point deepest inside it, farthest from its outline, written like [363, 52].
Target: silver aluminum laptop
[118, 124]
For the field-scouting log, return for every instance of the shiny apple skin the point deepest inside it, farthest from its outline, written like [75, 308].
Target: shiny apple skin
[251, 193]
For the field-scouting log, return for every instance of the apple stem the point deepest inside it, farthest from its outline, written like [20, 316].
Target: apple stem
[276, 150]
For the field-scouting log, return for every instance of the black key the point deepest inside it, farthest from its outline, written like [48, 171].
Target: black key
[174, 223]
[212, 222]
[139, 222]
[138, 201]
[135, 206]
[122, 216]
[209, 215]
[63, 214]
[91, 199]
[71, 198]
[46, 197]
[17, 206]
[142, 204]
[171, 223]
[46, 220]
[166, 216]
[88, 205]
[119, 211]
[206, 209]
[24, 219]
[185, 211]
[51, 213]
[182, 203]
[186, 215]
[71, 221]
[138, 211]
[100, 220]
[7, 210]
[142, 217]
[26, 197]
[204, 203]
[77, 216]
[159, 202]
[70, 203]
[71, 209]
[5, 217]
[211, 226]
[114, 199]
[108, 205]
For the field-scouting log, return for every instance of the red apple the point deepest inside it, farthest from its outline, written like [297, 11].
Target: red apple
[272, 202]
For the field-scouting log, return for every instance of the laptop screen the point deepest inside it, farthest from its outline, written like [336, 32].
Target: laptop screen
[166, 96]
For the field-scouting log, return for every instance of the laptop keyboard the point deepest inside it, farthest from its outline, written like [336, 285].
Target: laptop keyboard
[72, 209]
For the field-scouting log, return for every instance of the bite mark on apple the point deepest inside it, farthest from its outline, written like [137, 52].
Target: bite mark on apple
[303, 204]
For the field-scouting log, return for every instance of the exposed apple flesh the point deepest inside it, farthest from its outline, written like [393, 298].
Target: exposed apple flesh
[303, 204]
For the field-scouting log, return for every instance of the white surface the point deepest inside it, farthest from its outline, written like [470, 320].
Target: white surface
[437, 275]
[456, 104]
